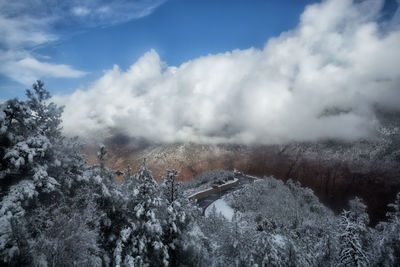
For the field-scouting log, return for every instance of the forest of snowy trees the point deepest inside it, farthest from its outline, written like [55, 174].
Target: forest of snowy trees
[55, 210]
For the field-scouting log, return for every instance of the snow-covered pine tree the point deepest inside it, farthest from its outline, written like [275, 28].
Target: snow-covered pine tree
[38, 168]
[171, 186]
[388, 243]
[65, 234]
[102, 156]
[46, 115]
[127, 173]
[269, 248]
[141, 240]
[28, 131]
[239, 248]
[351, 250]
[175, 217]
[180, 216]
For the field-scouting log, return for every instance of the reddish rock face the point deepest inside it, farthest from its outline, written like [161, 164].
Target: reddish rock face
[335, 174]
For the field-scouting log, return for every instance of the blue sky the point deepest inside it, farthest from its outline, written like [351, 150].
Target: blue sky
[178, 30]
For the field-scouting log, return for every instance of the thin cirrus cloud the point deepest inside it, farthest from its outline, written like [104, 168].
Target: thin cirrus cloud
[322, 79]
[28, 69]
[25, 25]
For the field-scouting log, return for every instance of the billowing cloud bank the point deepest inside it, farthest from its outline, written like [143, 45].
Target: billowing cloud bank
[322, 80]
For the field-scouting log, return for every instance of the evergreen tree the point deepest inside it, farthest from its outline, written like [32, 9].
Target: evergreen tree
[29, 131]
[127, 173]
[388, 243]
[351, 250]
[180, 218]
[38, 168]
[102, 156]
[65, 234]
[171, 187]
[141, 240]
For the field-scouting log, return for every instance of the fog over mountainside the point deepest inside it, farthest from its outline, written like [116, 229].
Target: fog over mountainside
[334, 169]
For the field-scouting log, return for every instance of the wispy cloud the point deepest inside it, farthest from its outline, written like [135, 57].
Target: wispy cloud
[323, 79]
[25, 25]
[105, 13]
[28, 69]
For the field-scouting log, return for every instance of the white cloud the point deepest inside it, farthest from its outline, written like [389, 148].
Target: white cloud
[23, 32]
[25, 25]
[321, 80]
[80, 11]
[105, 13]
[29, 69]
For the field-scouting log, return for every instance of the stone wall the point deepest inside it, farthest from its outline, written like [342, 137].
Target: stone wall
[213, 190]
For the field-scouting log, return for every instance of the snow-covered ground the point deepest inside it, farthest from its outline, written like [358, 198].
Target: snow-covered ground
[279, 240]
[251, 176]
[222, 207]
